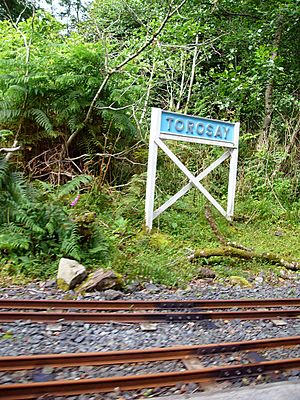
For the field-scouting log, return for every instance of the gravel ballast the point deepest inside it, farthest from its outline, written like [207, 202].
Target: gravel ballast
[24, 337]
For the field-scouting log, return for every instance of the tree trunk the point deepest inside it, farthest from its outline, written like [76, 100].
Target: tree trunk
[263, 140]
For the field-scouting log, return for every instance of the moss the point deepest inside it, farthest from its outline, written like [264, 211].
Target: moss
[160, 240]
[62, 285]
[239, 280]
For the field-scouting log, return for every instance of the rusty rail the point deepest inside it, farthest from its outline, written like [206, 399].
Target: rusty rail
[135, 317]
[145, 305]
[104, 385]
[15, 363]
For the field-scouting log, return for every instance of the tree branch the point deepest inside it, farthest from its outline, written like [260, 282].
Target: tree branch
[132, 56]
[10, 149]
[228, 251]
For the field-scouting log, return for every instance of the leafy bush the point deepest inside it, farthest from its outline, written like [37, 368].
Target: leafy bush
[38, 225]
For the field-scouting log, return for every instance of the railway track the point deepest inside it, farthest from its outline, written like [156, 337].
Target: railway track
[132, 382]
[145, 304]
[125, 311]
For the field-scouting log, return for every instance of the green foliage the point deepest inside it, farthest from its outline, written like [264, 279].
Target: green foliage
[38, 226]
[50, 74]
[16, 9]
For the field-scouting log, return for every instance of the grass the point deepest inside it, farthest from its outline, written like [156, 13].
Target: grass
[162, 256]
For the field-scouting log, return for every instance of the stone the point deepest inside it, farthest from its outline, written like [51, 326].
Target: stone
[70, 273]
[50, 283]
[133, 286]
[111, 294]
[101, 280]
[279, 322]
[205, 272]
[150, 287]
[259, 280]
[147, 327]
[279, 233]
[285, 274]
[240, 281]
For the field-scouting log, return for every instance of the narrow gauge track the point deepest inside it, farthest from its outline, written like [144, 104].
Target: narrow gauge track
[145, 304]
[137, 317]
[15, 363]
[102, 385]
[99, 310]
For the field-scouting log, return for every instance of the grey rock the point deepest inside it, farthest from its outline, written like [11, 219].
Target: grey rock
[259, 280]
[101, 280]
[205, 272]
[133, 286]
[111, 294]
[279, 233]
[42, 377]
[51, 283]
[70, 273]
[79, 339]
[152, 288]
[54, 327]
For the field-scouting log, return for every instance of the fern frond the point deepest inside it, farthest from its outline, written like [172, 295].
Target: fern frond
[45, 186]
[18, 188]
[74, 124]
[13, 238]
[4, 167]
[41, 119]
[6, 104]
[73, 185]
[8, 114]
[70, 245]
[18, 88]
[26, 220]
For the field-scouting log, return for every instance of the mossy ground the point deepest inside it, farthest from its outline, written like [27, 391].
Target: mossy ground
[162, 255]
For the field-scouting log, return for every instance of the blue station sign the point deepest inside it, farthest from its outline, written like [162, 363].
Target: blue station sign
[195, 127]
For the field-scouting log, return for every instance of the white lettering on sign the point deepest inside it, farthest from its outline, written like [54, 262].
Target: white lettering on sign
[200, 129]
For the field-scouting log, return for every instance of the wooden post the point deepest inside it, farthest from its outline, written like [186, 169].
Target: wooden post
[233, 172]
[151, 170]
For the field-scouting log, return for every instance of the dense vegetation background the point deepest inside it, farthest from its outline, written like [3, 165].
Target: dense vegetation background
[76, 89]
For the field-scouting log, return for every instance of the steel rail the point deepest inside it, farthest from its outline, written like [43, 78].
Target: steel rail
[15, 363]
[134, 317]
[145, 304]
[131, 382]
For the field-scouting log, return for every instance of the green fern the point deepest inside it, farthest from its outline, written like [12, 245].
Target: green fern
[3, 171]
[70, 245]
[73, 185]
[41, 118]
[13, 238]
[28, 221]
[8, 114]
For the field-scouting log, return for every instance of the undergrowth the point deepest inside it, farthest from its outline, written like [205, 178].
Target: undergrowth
[103, 227]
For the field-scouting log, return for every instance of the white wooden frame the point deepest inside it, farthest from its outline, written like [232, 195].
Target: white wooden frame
[156, 141]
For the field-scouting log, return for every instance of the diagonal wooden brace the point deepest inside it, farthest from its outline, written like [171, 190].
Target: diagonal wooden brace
[193, 180]
[188, 186]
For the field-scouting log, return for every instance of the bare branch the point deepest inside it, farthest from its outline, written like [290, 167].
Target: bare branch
[27, 46]
[10, 149]
[192, 75]
[132, 56]
[114, 108]
[147, 95]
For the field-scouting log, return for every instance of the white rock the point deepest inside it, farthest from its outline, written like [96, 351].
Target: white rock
[70, 272]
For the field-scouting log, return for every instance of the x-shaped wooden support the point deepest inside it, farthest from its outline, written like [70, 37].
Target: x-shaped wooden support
[194, 180]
